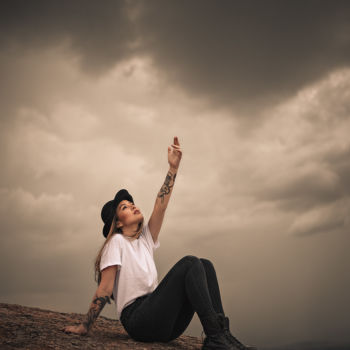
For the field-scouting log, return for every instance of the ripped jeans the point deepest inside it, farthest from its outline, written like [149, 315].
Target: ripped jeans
[190, 286]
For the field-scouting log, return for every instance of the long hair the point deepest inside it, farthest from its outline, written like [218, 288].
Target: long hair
[112, 231]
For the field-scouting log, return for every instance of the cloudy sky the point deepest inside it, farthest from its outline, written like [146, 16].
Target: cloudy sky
[258, 93]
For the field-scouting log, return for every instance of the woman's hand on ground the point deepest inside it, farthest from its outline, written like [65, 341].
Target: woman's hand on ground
[80, 329]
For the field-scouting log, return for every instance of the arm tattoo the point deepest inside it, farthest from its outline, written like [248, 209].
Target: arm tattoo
[165, 189]
[96, 307]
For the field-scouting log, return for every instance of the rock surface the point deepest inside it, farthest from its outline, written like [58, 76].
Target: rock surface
[23, 327]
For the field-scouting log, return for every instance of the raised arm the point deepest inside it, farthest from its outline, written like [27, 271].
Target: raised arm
[163, 196]
[99, 300]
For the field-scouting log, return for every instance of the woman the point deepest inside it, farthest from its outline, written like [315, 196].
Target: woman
[125, 271]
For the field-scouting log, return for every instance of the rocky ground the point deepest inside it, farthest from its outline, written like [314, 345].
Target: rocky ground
[23, 327]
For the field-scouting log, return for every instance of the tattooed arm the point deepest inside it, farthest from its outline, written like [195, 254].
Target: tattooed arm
[162, 200]
[164, 193]
[96, 307]
[99, 300]
[174, 158]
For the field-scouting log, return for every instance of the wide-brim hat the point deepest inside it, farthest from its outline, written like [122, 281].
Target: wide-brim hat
[109, 209]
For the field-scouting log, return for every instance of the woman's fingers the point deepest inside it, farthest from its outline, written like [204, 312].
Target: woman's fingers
[177, 150]
[74, 329]
[70, 329]
[66, 329]
[175, 146]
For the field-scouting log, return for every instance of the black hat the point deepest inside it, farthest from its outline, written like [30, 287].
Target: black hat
[108, 210]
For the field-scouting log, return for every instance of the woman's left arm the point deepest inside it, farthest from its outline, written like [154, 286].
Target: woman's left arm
[163, 196]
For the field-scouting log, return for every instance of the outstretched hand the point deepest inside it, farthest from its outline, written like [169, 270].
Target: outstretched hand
[174, 154]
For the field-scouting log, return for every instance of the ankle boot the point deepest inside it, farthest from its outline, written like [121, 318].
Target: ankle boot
[233, 340]
[215, 337]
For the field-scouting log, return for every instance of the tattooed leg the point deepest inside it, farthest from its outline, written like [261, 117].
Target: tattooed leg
[96, 307]
[167, 186]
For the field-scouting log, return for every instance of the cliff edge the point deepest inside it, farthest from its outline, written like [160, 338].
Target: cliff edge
[23, 327]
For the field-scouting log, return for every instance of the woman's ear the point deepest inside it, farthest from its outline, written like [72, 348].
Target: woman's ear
[118, 224]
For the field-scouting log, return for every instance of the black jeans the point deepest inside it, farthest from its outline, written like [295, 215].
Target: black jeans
[190, 286]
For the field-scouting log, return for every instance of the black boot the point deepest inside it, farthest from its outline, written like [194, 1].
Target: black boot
[233, 340]
[215, 337]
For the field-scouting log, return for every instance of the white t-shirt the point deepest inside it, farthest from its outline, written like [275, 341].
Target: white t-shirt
[137, 274]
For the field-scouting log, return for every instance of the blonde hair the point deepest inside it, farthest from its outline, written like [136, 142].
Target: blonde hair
[112, 231]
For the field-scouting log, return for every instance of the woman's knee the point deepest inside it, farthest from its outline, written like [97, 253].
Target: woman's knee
[190, 258]
[181, 267]
[207, 263]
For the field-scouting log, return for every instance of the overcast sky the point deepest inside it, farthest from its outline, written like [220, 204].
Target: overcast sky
[258, 93]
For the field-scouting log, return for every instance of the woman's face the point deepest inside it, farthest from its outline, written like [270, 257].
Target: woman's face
[130, 217]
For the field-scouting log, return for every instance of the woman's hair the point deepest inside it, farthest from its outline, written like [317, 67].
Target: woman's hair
[113, 230]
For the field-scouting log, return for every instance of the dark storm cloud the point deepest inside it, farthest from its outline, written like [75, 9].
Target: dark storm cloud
[99, 32]
[241, 52]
